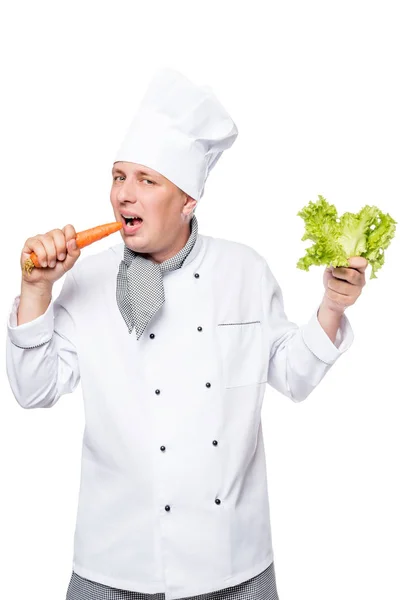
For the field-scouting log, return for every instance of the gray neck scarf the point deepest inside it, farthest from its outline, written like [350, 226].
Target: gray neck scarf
[140, 289]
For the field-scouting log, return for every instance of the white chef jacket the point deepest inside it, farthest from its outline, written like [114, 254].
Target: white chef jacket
[193, 384]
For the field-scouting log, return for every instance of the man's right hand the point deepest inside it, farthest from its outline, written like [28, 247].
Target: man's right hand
[57, 253]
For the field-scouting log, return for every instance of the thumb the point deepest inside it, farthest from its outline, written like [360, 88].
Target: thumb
[72, 246]
[73, 253]
[358, 262]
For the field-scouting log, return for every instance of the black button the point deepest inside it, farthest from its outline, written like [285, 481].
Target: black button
[208, 384]
[217, 501]
[152, 336]
[167, 508]
[162, 448]
[215, 442]
[199, 329]
[157, 391]
[196, 275]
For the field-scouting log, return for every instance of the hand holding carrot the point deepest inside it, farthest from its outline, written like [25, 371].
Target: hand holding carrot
[46, 258]
[63, 245]
[57, 250]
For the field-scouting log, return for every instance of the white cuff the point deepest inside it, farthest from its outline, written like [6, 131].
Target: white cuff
[320, 344]
[34, 333]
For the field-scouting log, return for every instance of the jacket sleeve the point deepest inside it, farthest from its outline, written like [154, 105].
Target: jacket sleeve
[41, 355]
[299, 357]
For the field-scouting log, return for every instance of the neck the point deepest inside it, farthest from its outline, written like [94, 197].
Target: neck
[178, 244]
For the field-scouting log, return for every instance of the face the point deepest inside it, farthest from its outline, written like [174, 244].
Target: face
[164, 210]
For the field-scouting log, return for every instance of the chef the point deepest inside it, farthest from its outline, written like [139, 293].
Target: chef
[174, 336]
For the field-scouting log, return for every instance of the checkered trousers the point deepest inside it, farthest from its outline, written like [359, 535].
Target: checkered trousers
[260, 587]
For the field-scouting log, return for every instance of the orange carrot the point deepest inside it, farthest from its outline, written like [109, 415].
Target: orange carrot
[83, 238]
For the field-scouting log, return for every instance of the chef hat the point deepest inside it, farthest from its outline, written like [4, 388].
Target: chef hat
[180, 131]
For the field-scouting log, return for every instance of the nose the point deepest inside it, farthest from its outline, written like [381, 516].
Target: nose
[127, 192]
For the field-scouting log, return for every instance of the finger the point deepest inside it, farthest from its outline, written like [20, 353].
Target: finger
[73, 252]
[60, 243]
[36, 245]
[359, 263]
[72, 246]
[353, 276]
[50, 247]
[70, 238]
[339, 299]
[69, 232]
[341, 287]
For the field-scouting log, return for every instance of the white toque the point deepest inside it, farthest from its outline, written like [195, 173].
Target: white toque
[180, 130]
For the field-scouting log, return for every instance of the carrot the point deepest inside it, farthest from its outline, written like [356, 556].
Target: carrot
[83, 238]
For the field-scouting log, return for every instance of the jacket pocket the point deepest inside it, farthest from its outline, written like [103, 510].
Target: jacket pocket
[242, 353]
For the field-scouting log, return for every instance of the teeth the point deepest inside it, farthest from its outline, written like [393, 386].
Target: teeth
[131, 220]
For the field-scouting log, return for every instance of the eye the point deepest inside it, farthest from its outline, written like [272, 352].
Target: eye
[152, 182]
[117, 177]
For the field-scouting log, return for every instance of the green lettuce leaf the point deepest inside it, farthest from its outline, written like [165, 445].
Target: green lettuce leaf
[367, 233]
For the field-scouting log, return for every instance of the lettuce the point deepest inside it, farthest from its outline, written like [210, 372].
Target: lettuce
[367, 233]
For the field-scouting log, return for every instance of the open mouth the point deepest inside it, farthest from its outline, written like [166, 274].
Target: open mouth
[131, 221]
[131, 224]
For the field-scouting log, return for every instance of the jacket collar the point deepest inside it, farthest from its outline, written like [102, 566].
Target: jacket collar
[119, 251]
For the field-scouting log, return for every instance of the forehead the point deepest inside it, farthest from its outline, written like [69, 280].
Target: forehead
[133, 168]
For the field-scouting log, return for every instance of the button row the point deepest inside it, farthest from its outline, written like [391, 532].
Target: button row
[217, 500]
[208, 385]
[152, 335]
[163, 448]
[168, 508]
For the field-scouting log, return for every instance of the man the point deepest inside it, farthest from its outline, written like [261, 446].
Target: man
[173, 499]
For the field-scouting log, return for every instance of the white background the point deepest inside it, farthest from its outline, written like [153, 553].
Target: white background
[313, 88]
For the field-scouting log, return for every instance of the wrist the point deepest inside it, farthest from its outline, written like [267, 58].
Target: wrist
[331, 308]
[36, 290]
[34, 301]
[330, 319]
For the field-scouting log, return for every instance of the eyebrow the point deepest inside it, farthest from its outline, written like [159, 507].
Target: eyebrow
[147, 173]
[141, 172]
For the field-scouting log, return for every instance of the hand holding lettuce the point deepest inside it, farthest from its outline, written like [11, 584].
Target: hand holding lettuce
[366, 233]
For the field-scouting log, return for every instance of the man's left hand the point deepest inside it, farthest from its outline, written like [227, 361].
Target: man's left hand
[343, 285]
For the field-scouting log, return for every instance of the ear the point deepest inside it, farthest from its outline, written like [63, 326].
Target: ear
[190, 204]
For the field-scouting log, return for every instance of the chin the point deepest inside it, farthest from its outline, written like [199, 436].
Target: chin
[135, 244]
